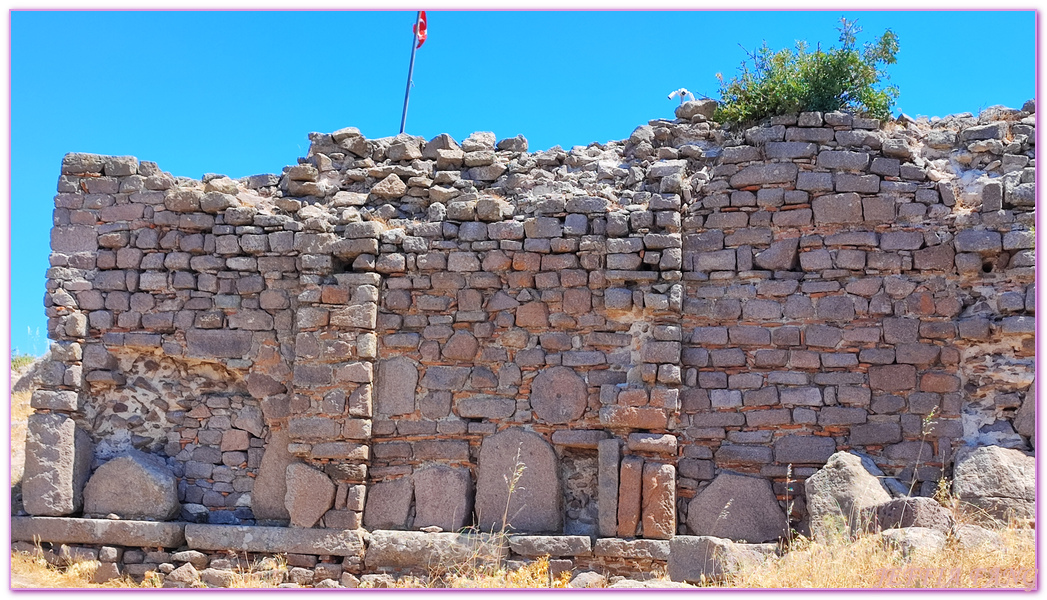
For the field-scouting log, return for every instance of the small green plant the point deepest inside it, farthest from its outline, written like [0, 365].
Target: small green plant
[787, 81]
[20, 361]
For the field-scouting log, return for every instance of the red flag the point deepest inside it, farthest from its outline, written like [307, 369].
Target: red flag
[420, 30]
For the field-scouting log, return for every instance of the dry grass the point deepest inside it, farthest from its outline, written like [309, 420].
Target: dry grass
[867, 563]
[33, 571]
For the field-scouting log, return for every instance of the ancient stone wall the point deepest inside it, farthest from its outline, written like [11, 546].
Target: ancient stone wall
[400, 333]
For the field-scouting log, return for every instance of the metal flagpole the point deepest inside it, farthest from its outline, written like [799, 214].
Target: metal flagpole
[410, 71]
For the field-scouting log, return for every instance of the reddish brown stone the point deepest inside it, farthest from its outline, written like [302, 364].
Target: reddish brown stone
[532, 314]
[892, 378]
[659, 501]
[937, 381]
[635, 417]
[629, 487]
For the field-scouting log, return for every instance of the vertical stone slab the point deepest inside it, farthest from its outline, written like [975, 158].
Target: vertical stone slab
[607, 486]
[443, 497]
[310, 493]
[270, 487]
[388, 504]
[659, 501]
[397, 380]
[629, 488]
[534, 505]
[57, 463]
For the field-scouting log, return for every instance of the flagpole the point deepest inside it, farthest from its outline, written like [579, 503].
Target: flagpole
[410, 70]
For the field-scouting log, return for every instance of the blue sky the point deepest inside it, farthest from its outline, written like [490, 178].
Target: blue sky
[237, 92]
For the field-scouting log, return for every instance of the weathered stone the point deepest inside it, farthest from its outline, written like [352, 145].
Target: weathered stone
[558, 395]
[739, 508]
[57, 463]
[443, 497]
[388, 504]
[507, 498]
[780, 256]
[607, 486]
[218, 343]
[461, 346]
[837, 208]
[764, 174]
[911, 512]
[841, 492]
[416, 549]
[274, 540]
[995, 483]
[440, 378]
[629, 489]
[700, 559]
[551, 545]
[270, 487]
[67, 530]
[914, 540]
[310, 493]
[133, 485]
[395, 386]
[482, 407]
[658, 501]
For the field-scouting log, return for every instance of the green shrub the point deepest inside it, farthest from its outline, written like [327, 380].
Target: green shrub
[785, 81]
[19, 361]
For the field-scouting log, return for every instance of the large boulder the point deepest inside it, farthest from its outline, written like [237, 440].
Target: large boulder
[533, 504]
[841, 492]
[57, 463]
[692, 558]
[133, 485]
[737, 507]
[912, 512]
[914, 540]
[995, 484]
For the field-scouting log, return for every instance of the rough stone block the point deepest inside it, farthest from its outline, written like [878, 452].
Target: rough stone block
[133, 485]
[803, 449]
[551, 545]
[837, 208]
[659, 501]
[739, 508]
[534, 503]
[609, 455]
[629, 489]
[58, 460]
[67, 530]
[443, 497]
[310, 494]
[842, 491]
[273, 540]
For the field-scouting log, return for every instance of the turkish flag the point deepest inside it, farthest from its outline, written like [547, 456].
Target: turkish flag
[420, 29]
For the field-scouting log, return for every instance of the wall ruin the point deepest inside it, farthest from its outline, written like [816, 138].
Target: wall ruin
[385, 333]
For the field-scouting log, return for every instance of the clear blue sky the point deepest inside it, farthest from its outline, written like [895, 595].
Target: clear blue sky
[237, 92]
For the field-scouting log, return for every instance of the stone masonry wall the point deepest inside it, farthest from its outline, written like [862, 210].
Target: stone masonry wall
[392, 333]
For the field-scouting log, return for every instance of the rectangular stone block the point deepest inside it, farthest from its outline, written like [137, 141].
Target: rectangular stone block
[274, 540]
[551, 545]
[609, 454]
[629, 488]
[659, 501]
[67, 530]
